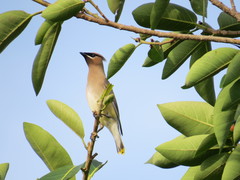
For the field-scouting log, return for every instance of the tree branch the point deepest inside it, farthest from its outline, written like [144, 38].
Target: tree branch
[90, 148]
[233, 5]
[138, 30]
[226, 9]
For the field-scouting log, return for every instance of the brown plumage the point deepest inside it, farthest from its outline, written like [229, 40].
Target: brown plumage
[96, 84]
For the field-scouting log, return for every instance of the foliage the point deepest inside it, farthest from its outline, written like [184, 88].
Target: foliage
[210, 129]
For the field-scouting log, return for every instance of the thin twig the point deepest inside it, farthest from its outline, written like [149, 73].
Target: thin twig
[102, 21]
[153, 43]
[226, 9]
[233, 5]
[97, 8]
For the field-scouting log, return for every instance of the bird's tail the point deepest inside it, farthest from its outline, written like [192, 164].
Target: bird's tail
[117, 138]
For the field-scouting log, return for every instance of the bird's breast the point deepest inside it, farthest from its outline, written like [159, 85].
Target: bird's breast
[94, 93]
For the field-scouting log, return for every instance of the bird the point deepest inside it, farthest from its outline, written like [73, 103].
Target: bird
[96, 85]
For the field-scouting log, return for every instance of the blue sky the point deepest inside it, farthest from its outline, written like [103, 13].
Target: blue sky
[138, 91]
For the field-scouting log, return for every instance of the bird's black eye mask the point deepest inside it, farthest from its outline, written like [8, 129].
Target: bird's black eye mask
[91, 54]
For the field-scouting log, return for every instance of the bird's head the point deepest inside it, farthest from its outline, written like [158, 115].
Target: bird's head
[93, 58]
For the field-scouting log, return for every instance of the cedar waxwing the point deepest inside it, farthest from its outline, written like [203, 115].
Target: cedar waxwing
[96, 84]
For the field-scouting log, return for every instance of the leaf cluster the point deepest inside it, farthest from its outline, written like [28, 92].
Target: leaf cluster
[210, 129]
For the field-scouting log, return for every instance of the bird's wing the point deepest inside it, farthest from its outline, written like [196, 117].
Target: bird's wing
[115, 106]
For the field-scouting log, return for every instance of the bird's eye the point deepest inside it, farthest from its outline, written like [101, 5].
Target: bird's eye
[92, 54]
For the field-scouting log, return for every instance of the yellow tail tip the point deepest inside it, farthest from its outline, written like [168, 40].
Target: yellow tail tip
[121, 151]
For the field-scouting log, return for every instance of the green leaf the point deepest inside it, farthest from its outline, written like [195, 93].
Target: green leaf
[232, 98]
[95, 166]
[231, 170]
[222, 120]
[42, 31]
[46, 147]
[12, 23]
[205, 88]
[236, 131]
[68, 116]
[227, 22]
[166, 48]
[189, 118]
[158, 10]
[62, 10]
[160, 161]
[149, 62]
[189, 175]
[62, 173]
[233, 72]
[200, 7]
[206, 144]
[116, 7]
[3, 170]
[212, 167]
[119, 58]
[156, 53]
[43, 56]
[175, 17]
[178, 56]
[182, 150]
[209, 65]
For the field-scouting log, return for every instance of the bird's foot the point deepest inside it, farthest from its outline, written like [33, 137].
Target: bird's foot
[100, 128]
[93, 136]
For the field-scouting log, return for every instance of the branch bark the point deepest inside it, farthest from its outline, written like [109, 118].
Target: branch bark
[226, 9]
[90, 148]
[102, 21]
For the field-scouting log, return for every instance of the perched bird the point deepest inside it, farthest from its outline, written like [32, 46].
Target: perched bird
[96, 84]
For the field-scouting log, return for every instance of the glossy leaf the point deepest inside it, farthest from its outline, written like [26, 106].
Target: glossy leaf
[212, 167]
[116, 7]
[233, 72]
[189, 118]
[182, 150]
[43, 56]
[206, 144]
[222, 120]
[158, 10]
[42, 31]
[3, 170]
[62, 173]
[119, 58]
[160, 161]
[12, 23]
[191, 172]
[62, 10]
[205, 88]
[236, 131]
[232, 98]
[231, 170]
[166, 48]
[200, 7]
[95, 166]
[156, 53]
[46, 147]
[227, 22]
[209, 65]
[175, 17]
[68, 116]
[178, 56]
[149, 62]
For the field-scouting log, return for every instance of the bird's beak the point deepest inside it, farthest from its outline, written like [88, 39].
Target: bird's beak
[83, 54]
